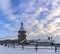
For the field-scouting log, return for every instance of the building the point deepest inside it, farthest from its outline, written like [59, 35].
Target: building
[22, 35]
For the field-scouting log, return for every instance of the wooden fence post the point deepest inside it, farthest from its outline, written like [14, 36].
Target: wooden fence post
[36, 47]
[55, 48]
[22, 46]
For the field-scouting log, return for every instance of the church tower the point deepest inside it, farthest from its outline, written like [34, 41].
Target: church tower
[22, 35]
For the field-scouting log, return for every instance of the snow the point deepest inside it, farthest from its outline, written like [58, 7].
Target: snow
[18, 50]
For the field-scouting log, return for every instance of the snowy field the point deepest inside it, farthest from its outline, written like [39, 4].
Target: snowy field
[27, 50]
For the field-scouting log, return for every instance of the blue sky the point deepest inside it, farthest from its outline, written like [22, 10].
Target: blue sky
[38, 16]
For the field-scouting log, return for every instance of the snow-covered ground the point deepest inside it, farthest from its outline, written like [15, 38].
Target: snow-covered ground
[18, 50]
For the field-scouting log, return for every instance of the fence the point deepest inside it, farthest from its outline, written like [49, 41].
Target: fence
[36, 46]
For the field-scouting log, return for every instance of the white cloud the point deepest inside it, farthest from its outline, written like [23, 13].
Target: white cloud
[54, 26]
[9, 27]
[6, 9]
[6, 25]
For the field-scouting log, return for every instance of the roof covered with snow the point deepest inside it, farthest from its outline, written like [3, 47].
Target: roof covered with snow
[44, 40]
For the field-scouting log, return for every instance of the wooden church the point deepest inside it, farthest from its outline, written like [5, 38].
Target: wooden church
[22, 34]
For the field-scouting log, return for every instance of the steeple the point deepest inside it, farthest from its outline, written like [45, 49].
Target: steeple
[22, 28]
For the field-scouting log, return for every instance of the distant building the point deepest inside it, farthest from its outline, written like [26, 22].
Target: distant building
[22, 35]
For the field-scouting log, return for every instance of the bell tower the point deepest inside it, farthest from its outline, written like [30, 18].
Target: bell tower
[22, 35]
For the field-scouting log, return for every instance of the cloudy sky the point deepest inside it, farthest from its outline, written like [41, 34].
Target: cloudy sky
[39, 17]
